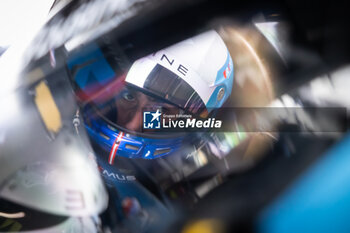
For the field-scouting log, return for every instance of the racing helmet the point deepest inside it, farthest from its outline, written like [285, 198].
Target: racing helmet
[194, 75]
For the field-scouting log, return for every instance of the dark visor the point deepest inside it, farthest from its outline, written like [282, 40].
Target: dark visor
[167, 85]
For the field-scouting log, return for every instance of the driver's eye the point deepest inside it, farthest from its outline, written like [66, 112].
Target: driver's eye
[128, 96]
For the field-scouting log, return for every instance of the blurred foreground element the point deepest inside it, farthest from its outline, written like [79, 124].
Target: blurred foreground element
[317, 201]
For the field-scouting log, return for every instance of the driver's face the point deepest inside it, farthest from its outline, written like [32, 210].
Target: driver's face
[130, 107]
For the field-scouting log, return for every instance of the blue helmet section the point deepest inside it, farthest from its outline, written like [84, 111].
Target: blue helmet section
[224, 80]
[131, 146]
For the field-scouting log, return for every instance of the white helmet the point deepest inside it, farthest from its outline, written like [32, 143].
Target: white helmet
[195, 73]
